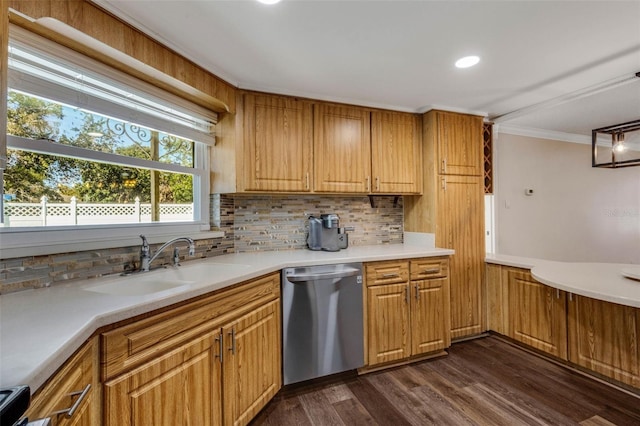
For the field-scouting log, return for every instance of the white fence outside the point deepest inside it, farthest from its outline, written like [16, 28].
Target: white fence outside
[74, 213]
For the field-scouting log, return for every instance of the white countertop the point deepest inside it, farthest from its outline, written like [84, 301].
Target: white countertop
[602, 281]
[40, 329]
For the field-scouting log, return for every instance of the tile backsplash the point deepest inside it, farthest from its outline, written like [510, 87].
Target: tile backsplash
[280, 222]
[250, 223]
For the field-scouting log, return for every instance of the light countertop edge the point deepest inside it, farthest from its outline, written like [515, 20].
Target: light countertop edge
[40, 329]
[601, 281]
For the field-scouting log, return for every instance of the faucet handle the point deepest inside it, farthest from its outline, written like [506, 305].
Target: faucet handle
[176, 256]
[145, 245]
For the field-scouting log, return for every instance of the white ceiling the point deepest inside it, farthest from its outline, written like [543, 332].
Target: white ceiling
[400, 54]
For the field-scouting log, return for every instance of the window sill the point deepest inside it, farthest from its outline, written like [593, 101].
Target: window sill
[39, 242]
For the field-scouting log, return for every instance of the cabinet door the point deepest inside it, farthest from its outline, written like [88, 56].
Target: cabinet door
[277, 144]
[460, 145]
[388, 323]
[182, 387]
[603, 337]
[460, 226]
[538, 315]
[342, 149]
[395, 153]
[252, 363]
[497, 298]
[429, 315]
[66, 390]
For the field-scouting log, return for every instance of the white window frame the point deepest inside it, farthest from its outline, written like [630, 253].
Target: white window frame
[31, 241]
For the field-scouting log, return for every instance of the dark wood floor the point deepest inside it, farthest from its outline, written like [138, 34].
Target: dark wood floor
[482, 382]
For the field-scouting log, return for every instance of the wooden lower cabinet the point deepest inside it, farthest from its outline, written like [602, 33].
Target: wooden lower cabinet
[603, 337]
[405, 319]
[497, 300]
[430, 316]
[537, 314]
[221, 371]
[73, 393]
[252, 373]
[182, 387]
[388, 323]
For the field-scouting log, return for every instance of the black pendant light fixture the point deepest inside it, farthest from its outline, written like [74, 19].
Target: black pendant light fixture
[616, 146]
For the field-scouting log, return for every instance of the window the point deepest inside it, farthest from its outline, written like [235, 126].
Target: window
[89, 146]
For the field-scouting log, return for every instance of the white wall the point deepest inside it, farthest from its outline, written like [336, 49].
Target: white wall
[576, 213]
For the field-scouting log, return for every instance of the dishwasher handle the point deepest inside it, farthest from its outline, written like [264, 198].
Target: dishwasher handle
[301, 278]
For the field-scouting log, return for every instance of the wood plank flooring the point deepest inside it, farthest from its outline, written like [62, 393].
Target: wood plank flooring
[481, 382]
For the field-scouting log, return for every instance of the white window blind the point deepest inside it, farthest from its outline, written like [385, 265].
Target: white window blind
[39, 66]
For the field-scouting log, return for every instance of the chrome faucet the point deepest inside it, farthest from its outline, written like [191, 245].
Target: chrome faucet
[145, 252]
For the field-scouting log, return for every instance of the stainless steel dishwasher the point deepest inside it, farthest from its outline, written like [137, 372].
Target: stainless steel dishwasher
[322, 331]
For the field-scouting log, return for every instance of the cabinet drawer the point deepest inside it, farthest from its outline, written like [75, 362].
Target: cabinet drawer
[388, 272]
[434, 267]
[72, 387]
[133, 344]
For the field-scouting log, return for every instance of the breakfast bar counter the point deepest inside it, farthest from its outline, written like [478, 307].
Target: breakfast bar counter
[601, 281]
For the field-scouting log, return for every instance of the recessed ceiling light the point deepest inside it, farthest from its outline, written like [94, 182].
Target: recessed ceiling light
[467, 61]
[269, 1]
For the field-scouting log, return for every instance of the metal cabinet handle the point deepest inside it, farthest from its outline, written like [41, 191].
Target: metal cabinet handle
[557, 293]
[429, 271]
[220, 347]
[570, 297]
[232, 333]
[72, 410]
[444, 165]
[368, 184]
[417, 291]
[444, 184]
[307, 181]
[390, 276]
[377, 183]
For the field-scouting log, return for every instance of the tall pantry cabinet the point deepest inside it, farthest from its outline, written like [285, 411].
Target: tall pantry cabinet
[452, 208]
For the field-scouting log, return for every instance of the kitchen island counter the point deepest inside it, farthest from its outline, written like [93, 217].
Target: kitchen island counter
[40, 329]
[601, 281]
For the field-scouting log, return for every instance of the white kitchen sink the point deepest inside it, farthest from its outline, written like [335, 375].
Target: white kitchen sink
[138, 285]
[142, 283]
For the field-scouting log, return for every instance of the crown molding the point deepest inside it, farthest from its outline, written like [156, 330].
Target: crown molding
[542, 134]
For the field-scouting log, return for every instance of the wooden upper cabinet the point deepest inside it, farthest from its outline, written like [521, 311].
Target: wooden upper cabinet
[277, 143]
[395, 153]
[460, 144]
[342, 149]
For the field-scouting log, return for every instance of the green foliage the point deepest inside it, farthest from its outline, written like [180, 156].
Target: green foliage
[31, 175]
